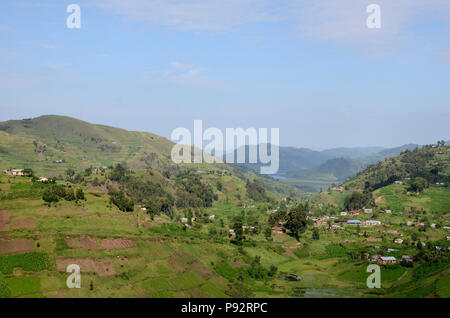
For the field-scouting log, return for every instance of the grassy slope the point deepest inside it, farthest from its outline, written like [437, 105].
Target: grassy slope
[79, 143]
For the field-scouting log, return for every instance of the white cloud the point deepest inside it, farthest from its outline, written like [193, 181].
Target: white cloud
[187, 75]
[209, 15]
[338, 21]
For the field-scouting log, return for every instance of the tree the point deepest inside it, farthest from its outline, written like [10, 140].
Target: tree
[80, 194]
[268, 233]
[315, 234]
[237, 226]
[256, 270]
[70, 173]
[418, 184]
[50, 196]
[70, 195]
[296, 220]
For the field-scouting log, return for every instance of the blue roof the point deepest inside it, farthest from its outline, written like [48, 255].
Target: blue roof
[353, 221]
[388, 258]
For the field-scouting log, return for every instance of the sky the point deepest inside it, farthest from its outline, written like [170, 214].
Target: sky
[311, 68]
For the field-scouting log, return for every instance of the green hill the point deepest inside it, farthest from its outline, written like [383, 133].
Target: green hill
[51, 144]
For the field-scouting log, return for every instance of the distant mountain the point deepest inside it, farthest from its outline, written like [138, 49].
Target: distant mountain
[354, 152]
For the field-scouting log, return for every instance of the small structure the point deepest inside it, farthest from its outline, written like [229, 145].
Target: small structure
[354, 212]
[184, 220]
[343, 213]
[277, 229]
[372, 222]
[42, 179]
[388, 211]
[387, 260]
[408, 258]
[398, 182]
[335, 227]
[211, 217]
[353, 222]
[367, 211]
[398, 241]
[14, 172]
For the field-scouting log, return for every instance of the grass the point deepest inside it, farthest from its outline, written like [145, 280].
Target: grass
[33, 262]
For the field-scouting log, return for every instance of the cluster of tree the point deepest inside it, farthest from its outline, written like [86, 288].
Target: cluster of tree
[411, 163]
[358, 200]
[256, 191]
[257, 271]
[296, 222]
[418, 184]
[57, 192]
[119, 199]
[192, 192]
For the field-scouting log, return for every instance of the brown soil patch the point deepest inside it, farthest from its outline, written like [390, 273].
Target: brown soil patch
[378, 199]
[84, 242]
[117, 243]
[176, 264]
[16, 246]
[201, 269]
[87, 265]
[4, 219]
[89, 243]
[23, 223]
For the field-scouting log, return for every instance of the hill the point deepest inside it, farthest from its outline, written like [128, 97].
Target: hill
[51, 144]
[311, 170]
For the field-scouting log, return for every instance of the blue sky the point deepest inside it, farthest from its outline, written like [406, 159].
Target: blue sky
[311, 68]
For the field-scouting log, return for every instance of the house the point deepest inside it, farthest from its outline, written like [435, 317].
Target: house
[145, 209]
[398, 182]
[374, 239]
[409, 223]
[184, 220]
[398, 241]
[372, 222]
[394, 232]
[387, 260]
[375, 258]
[334, 226]
[343, 213]
[353, 222]
[187, 225]
[42, 179]
[14, 172]
[354, 212]
[277, 229]
[407, 258]
[388, 211]
[448, 238]
[211, 217]
[367, 210]
[446, 228]
[433, 225]
[391, 250]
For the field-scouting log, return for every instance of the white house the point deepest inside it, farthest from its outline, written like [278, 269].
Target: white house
[372, 222]
[211, 217]
[367, 210]
[343, 213]
[184, 220]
